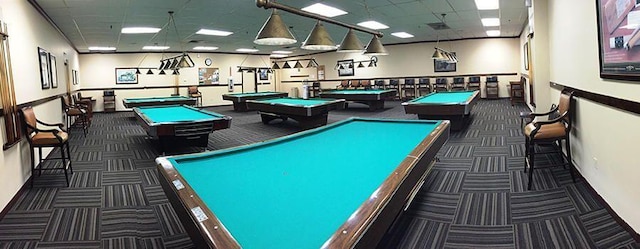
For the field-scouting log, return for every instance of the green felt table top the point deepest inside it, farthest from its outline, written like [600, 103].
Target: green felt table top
[296, 191]
[176, 113]
[254, 94]
[296, 101]
[157, 99]
[444, 98]
[354, 91]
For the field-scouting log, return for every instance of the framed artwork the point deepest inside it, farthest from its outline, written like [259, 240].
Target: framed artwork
[208, 76]
[53, 70]
[126, 76]
[263, 74]
[619, 39]
[45, 76]
[74, 76]
[525, 51]
[345, 68]
[443, 66]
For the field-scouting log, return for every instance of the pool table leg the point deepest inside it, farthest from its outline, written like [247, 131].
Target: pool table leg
[268, 117]
[308, 122]
[376, 105]
[240, 106]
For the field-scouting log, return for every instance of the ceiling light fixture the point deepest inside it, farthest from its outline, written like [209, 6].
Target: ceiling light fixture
[178, 61]
[490, 22]
[274, 32]
[493, 32]
[97, 48]
[440, 54]
[375, 47]
[208, 48]
[403, 35]
[139, 30]
[324, 10]
[373, 25]
[318, 39]
[351, 43]
[213, 32]
[487, 4]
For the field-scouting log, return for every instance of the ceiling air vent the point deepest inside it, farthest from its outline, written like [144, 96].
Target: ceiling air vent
[438, 25]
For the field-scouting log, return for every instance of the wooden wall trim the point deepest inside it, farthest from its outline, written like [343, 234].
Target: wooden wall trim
[149, 87]
[622, 104]
[403, 77]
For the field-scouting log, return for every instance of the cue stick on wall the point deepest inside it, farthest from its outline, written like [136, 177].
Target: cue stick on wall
[7, 91]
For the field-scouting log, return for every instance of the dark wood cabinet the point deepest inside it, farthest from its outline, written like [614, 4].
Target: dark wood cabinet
[109, 100]
[491, 87]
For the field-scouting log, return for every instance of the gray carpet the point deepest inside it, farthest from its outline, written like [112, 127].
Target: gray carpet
[474, 198]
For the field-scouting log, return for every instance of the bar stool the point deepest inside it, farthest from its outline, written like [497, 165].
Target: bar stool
[194, 93]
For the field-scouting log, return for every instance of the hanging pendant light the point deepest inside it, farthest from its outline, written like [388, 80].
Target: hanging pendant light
[298, 65]
[275, 65]
[137, 70]
[274, 32]
[375, 47]
[175, 72]
[360, 65]
[319, 39]
[149, 72]
[312, 63]
[351, 43]
[286, 65]
[162, 72]
[161, 65]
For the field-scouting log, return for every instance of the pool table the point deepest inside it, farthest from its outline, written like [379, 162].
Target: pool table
[240, 99]
[264, 196]
[174, 125]
[153, 101]
[454, 106]
[309, 113]
[374, 98]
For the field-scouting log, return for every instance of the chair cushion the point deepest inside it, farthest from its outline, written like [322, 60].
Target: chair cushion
[195, 95]
[75, 111]
[48, 138]
[554, 130]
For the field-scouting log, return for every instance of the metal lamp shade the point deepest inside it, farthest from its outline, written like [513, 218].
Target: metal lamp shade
[351, 43]
[298, 65]
[319, 39]
[275, 66]
[274, 32]
[438, 55]
[375, 47]
[286, 65]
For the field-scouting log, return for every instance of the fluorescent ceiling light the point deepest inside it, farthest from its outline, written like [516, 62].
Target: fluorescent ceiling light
[213, 32]
[493, 32]
[373, 25]
[281, 52]
[324, 10]
[204, 48]
[490, 22]
[155, 47]
[488, 4]
[102, 48]
[140, 30]
[402, 34]
[277, 55]
[247, 50]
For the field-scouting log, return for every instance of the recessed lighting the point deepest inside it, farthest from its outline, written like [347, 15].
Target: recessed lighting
[155, 47]
[487, 4]
[324, 10]
[493, 32]
[278, 55]
[402, 34]
[281, 52]
[490, 22]
[140, 30]
[373, 25]
[247, 50]
[204, 48]
[213, 32]
[102, 48]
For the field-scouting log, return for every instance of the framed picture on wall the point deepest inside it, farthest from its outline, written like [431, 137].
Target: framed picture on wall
[443, 66]
[263, 74]
[619, 39]
[45, 76]
[208, 76]
[126, 76]
[54, 71]
[345, 68]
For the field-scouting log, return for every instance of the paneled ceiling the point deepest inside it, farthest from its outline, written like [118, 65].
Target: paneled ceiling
[98, 22]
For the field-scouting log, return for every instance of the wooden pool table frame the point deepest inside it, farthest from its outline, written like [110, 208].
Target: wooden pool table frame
[363, 229]
[307, 116]
[187, 101]
[240, 104]
[192, 133]
[455, 111]
[375, 101]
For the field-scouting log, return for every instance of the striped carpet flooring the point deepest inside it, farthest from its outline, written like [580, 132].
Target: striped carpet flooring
[474, 198]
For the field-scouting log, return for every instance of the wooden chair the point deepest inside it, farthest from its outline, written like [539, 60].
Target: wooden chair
[77, 112]
[409, 89]
[394, 84]
[343, 84]
[355, 84]
[442, 85]
[379, 84]
[516, 89]
[549, 132]
[474, 83]
[195, 93]
[491, 87]
[85, 103]
[45, 138]
[424, 86]
[458, 84]
[366, 84]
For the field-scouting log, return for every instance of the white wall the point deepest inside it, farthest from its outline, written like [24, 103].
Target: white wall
[28, 31]
[98, 71]
[476, 56]
[604, 138]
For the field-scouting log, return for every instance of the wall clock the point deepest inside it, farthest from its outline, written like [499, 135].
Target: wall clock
[207, 61]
